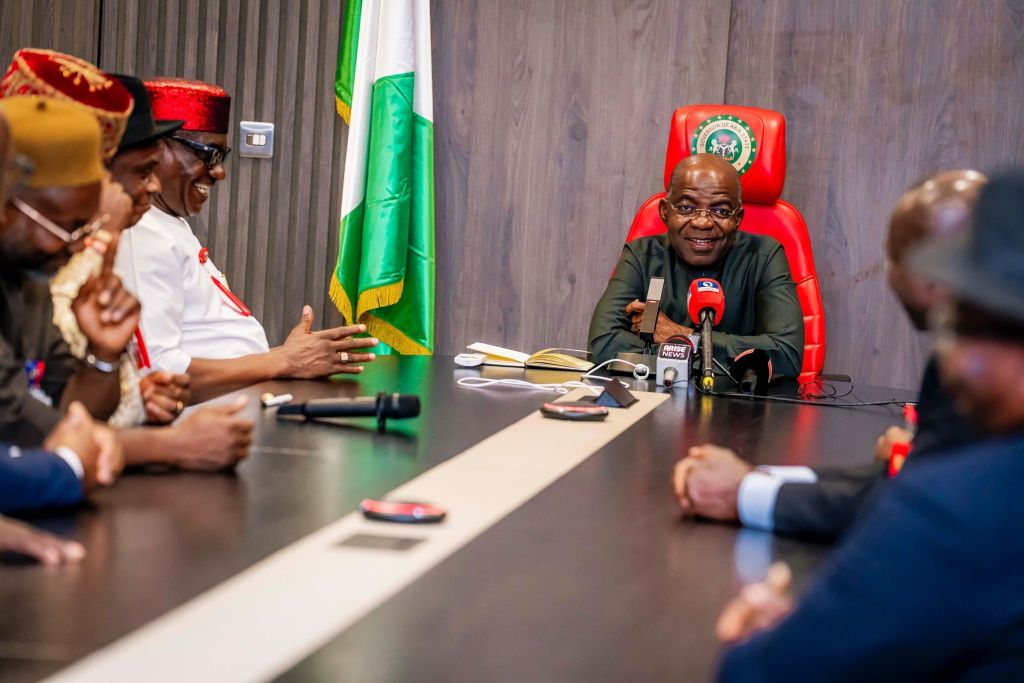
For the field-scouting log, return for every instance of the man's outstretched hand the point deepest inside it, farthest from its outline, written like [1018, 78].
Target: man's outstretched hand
[306, 354]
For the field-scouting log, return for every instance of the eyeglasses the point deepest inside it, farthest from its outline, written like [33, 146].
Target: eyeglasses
[212, 155]
[19, 169]
[54, 229]
[715, 213]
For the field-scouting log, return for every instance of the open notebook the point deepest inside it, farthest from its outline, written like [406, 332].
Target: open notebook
[551, 359]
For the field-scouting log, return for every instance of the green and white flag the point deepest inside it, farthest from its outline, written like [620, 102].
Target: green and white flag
[385, 271]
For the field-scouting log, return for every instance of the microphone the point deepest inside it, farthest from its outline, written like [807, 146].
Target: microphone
[674, 361]
[753, 370]
[651, 309]
[382, 406]
[706, 304]
[649, 321]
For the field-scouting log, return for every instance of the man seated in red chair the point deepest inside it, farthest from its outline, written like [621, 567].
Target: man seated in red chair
[703, 211]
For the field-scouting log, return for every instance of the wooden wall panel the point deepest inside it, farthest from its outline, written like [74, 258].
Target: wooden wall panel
[877, 95]
[66, 25]
[271, 225]
[551, 120]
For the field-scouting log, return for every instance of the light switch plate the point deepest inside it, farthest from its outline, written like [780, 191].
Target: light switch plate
[256, 139]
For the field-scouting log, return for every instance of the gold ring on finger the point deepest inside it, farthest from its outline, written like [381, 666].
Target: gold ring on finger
[343, 355]
[180, 406]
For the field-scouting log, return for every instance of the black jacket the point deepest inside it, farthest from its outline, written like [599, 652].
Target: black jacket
[826, 508]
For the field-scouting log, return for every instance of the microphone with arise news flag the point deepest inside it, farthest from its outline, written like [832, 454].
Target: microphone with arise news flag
[705, 303]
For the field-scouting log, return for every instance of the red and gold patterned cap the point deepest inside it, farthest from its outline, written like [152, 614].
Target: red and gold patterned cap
[203, 107]
[63, 77]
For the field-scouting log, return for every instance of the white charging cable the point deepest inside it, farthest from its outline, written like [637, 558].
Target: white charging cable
[563, 388]
[639, 372]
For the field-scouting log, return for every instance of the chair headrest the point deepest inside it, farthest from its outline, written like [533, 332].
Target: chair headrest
[754, 140]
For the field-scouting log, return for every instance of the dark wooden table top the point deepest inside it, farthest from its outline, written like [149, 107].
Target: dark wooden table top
[595, 577]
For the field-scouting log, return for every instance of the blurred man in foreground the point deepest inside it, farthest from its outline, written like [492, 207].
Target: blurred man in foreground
[78, 454]
[928, 585]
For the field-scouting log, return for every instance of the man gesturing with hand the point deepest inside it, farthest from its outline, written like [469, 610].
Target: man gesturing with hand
[192, 321]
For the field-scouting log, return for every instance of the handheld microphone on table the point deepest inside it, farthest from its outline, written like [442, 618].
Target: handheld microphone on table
[674, 361]
[652, 307]
[382, 406]
[648, 323]
[753, 370]
[705, 303]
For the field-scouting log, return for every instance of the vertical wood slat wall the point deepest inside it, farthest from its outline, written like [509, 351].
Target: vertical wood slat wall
[550, 124]
[70, 26]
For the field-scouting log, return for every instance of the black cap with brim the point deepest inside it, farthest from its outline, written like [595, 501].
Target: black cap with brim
[986, 266]
[947, 264]
[142, 129]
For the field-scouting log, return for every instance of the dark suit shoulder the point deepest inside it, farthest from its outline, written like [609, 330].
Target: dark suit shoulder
[976, 478]
[967, 500]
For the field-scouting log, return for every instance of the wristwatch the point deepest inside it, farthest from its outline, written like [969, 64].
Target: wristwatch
[101, 365]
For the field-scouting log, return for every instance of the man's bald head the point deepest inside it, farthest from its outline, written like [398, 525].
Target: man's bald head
[702, 209]
[728, 177]
[937, 207]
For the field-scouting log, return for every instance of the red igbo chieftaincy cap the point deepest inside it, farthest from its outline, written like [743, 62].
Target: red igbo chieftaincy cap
[203, 107]
[63, 77]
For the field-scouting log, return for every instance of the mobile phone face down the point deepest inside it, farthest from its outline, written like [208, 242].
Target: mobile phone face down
[403, 512]
[576, 411]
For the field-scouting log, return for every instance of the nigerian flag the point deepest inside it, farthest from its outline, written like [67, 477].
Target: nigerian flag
[385, 271]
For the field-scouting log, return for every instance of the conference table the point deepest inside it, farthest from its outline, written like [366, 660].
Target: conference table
[593, 576]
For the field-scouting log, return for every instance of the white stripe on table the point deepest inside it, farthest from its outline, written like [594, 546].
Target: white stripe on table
[271, 616]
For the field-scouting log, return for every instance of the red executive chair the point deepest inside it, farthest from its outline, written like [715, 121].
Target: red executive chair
[756, 140]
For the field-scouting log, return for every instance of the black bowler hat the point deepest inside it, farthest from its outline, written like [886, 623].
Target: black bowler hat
[141, 127]
[986, 266]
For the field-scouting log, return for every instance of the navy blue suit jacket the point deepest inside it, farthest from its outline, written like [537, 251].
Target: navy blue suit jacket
[31, 478]
[928, 586]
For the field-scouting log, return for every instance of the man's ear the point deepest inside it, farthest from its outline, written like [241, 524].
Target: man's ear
[663, 210]
[739, 216]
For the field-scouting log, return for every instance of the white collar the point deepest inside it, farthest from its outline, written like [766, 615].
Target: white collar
[162, 216]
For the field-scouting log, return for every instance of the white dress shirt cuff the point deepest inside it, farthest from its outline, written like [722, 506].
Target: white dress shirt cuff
[756, 500]
[790, 474]
[759, 490]
[174, 361]
[72, 459]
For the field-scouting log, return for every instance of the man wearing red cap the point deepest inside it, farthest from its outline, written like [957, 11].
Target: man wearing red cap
[192, 321]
